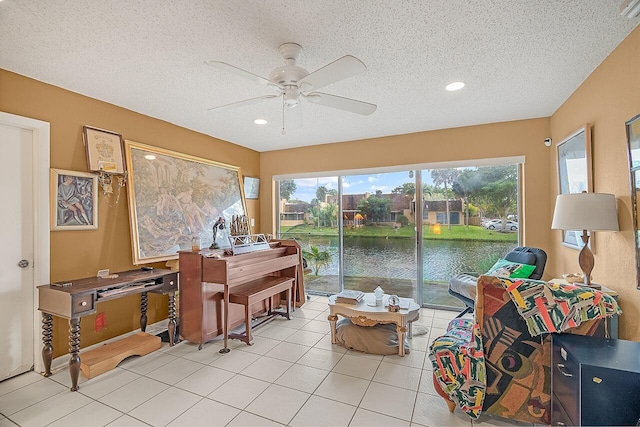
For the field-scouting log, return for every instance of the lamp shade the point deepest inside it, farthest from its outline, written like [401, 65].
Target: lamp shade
[585, 211]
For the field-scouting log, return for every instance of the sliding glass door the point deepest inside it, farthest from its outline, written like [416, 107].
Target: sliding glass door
[360, 231]
[457, 204]
[379, 239]
[308, 213]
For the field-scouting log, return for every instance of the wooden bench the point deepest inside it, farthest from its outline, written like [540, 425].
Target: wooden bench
[256, 291]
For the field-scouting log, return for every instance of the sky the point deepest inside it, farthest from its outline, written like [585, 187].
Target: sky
[354, 184]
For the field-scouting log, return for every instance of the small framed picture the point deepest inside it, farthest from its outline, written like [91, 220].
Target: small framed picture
[74, 200]
[251, 187]
[105, 150]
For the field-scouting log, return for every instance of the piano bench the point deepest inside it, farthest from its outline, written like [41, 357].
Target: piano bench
[259, 290]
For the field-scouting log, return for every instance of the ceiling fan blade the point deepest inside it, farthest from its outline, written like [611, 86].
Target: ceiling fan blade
[242, 103]
[293, 117]
[345, 67]
[341, 103]
[242, 73]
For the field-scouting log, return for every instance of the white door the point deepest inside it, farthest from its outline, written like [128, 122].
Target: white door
[16, 252]
[24, 252]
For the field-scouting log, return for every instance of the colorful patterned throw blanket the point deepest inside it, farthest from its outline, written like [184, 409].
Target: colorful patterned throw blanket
[552, 307]
[458, 358]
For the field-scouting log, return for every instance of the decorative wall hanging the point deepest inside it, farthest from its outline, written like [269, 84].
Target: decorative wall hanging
[74, 200]
[574, 174]
[105, 156]
[174, 197]
[251, 187]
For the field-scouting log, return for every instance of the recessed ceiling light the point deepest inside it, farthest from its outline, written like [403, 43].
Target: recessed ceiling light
[150, 157]
[260, 121]
[454, 86]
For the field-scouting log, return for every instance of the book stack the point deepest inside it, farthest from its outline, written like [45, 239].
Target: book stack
[349, 297]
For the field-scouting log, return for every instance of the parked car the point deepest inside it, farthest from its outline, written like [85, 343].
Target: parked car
[496, 224]
[485, 221]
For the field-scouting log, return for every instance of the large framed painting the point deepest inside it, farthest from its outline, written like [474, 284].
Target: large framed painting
[175, 199]
[574, 175]
[74, 200]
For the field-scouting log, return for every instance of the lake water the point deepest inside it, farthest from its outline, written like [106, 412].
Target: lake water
[394, 258]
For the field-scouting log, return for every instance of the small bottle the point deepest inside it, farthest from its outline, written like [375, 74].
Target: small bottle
[195, 244]
[379, 293]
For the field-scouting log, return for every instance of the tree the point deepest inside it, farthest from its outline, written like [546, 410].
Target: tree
[317, 258]
[408, 189]
[500, 189]
[287, 188]
[321, 193]
[491, 189]
[375, 208]
[446, 178]
[468, 183]
[330, 213]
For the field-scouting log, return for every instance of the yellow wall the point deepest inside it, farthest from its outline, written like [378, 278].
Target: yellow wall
[517, 138]
[607, 99]
[77, 254]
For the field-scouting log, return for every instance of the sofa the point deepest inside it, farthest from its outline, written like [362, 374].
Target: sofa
[516, 373]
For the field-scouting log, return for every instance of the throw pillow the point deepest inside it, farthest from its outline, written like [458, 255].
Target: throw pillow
[504, 268]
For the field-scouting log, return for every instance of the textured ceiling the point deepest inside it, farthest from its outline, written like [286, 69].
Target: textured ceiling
[520, 59]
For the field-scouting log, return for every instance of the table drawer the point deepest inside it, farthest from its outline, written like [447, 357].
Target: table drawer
[82, 304]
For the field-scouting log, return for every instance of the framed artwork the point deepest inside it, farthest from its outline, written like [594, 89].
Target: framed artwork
[104, 150]
[175, 198]
[74, 200]
[633, 144]
[575, 175]
[251, 187]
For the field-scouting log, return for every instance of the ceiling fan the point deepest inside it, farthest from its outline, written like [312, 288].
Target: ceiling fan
[294, 83]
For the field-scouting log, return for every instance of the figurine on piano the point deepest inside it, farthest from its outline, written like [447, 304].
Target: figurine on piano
[218, 225]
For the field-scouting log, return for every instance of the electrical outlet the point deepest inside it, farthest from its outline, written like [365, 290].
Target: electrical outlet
[253, 222]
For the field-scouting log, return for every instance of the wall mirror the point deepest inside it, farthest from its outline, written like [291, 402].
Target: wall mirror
[633, 140]
[574, 175]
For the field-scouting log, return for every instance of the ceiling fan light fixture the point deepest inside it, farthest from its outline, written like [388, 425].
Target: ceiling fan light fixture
[260, 121]
[451, 87]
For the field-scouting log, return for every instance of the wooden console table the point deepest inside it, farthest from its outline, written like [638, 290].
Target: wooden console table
[77, 298]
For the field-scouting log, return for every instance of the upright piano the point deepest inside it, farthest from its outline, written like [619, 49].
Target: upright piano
[206, 277]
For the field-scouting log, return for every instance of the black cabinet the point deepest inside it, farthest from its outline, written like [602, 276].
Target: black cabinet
[594, 381]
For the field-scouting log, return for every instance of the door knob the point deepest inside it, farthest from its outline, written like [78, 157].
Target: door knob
[23, 263]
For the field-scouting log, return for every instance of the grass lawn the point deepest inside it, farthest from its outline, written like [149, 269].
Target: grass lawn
[457, 232]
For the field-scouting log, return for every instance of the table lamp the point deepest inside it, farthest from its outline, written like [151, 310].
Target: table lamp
[586, 212]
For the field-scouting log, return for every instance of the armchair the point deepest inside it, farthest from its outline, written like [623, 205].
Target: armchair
[463, 285]
[517, 370]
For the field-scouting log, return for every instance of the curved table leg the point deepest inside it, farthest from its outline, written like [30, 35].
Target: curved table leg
[402, 330]
[74, 350]
[332, 321]
[47, 348]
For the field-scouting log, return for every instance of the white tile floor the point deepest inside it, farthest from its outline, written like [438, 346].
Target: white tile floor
[292, 375]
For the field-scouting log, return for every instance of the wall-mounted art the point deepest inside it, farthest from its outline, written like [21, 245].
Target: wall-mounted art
[251, 187]
[574, 174]
[104, 150]
[174, 198]
[74, 200]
